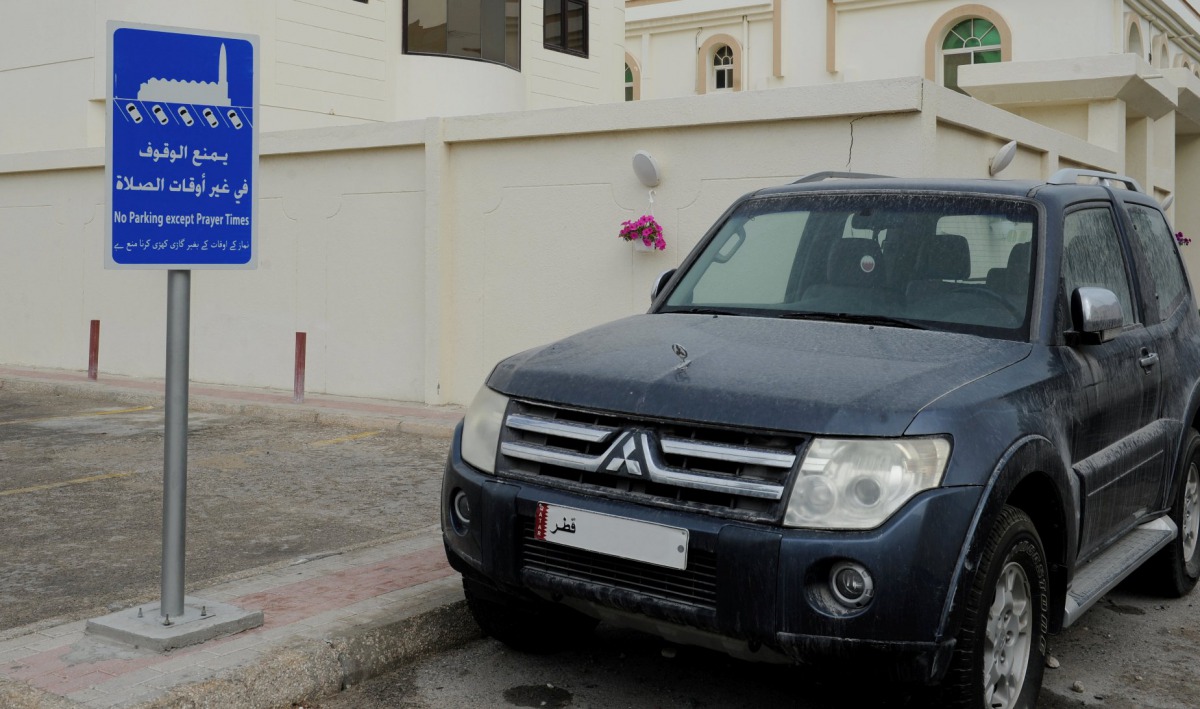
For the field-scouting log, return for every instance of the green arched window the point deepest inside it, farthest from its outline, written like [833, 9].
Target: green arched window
[628, 83]
[972, 41]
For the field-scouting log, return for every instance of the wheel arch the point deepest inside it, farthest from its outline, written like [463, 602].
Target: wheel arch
[1032, 476]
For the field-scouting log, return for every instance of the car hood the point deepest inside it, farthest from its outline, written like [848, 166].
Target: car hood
[764, 373]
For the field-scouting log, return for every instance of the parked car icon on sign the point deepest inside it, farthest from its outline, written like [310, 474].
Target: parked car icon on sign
[160, 114]
[133, 112]
[210, 116]
[234, 118]
[185, 115]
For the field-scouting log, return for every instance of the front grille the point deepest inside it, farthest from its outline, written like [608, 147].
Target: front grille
[727, 473]
[694, 586]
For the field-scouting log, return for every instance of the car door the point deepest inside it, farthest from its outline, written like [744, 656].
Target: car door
[1164, 292]
[1118, 454]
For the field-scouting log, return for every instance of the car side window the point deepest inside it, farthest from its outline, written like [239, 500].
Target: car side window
[1092, 255]
[1162, 257]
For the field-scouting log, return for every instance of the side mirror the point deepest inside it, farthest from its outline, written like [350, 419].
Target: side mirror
[660, 282]
[1096, 312]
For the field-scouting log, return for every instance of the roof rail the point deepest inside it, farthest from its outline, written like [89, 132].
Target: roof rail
[828, 174]
[1070, 176]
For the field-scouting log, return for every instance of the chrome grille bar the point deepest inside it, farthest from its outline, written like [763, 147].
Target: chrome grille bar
[552, 456]
[565, 429]
[738, 486]
[728, 453]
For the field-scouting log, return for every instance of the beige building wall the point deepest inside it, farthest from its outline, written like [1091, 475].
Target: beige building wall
[416, 254]
[323, 63]
[801, 43]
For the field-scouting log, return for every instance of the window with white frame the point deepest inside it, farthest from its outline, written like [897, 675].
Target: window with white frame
[628, 83]
[723, 67]
[970, 41]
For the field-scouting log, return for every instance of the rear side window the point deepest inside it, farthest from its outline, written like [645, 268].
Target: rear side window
[1092, 255]
[1162, 257]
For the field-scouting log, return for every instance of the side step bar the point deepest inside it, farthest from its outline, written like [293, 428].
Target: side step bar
[1104, 572]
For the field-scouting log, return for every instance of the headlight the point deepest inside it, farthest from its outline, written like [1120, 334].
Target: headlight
[858, 484]
[481, 429]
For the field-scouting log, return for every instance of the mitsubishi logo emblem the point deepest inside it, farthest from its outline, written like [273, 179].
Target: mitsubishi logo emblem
[625, 455]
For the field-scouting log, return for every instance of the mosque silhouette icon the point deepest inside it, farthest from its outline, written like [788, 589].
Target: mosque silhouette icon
[207, 93]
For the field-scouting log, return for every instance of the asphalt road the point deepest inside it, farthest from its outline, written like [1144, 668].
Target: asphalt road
[1131, 651]
[81, 499]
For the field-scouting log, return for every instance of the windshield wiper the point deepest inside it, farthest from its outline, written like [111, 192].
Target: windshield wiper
[852, 318]
[697, 310]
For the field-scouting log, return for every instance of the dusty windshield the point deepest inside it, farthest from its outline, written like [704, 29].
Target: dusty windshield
[934, 261]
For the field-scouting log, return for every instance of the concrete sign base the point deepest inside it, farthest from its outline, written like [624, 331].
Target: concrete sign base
[201, 621]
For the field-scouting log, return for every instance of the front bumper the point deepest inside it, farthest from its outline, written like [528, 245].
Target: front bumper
[760, 584]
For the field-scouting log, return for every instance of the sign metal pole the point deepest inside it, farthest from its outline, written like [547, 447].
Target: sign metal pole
[179, 286]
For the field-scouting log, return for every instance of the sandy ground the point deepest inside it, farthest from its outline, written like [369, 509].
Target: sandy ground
[81, 499]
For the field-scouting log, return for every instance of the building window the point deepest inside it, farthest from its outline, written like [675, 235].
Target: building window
[723, 68]
[719, 65]
[972, 41]
[565, 26]
[633, 78]
[487, 30]
[1133, 38]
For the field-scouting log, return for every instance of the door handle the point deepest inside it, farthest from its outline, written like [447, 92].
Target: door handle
[1148, 358]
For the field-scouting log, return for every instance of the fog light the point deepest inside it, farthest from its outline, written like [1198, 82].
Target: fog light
[460, 512]
[851, 584]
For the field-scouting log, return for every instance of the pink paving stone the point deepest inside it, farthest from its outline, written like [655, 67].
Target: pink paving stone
[74, 684]
[304, 599]
[49, 671]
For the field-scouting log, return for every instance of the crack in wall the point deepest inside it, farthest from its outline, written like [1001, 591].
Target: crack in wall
[850, 153]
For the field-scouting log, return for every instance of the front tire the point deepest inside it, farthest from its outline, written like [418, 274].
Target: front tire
[1173, 572]
[1000, 652]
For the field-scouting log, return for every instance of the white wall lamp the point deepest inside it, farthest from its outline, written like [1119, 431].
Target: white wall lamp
[1002, 158]
[646, 168]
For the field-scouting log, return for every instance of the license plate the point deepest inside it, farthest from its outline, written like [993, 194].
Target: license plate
[621, 537]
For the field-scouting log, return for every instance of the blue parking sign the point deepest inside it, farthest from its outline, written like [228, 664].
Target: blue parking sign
[182, 148]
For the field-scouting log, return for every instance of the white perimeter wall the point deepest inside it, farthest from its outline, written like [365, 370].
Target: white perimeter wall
[417, 254]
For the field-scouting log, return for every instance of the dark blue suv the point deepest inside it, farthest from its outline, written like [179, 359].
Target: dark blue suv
[924, 423]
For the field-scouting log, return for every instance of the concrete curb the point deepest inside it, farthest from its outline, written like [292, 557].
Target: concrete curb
[304, 670]
[316, 669]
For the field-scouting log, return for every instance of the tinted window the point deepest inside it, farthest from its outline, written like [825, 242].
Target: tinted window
[1092, 255]
[565, 26]
[1162, 257]
[471, 29]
